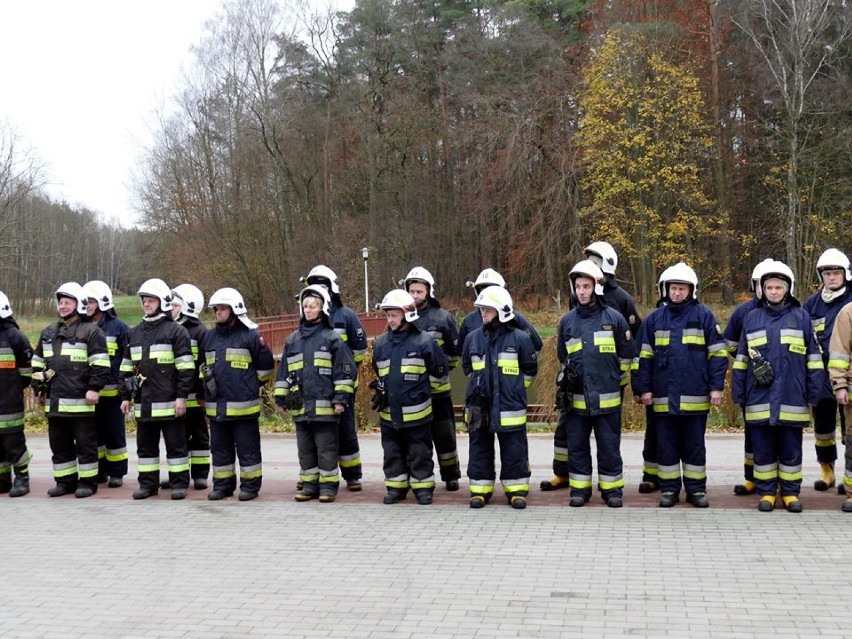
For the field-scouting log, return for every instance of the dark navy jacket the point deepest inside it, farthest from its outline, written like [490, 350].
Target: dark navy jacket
[117, 334]
[241, 361]
[784, 336]
[501, 361]
[598, 344]
[405, 360]
[682, 358]
[324, 369]
[15, 372]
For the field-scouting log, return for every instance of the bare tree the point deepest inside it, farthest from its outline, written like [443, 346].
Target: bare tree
[798, 41]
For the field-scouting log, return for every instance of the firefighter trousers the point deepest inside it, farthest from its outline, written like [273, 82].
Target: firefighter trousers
[148, 448]
[112, 439]
[748, 451]
[514, 462]
[350, 451]
[607, 430]
[777, 459]
[650, 468]
[444, 437]
[74, 448]
[197, 442]
[680, 440]
[408, 459]
[13, 454]
[825, 430]
[560, 446]
[318, 454]
[231, 440]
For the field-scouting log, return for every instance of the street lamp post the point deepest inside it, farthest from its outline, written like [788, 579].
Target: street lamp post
[365, 253]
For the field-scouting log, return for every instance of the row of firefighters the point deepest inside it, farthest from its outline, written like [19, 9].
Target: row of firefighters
[200, 388]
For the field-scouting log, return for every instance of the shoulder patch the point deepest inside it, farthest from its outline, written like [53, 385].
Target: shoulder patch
[359, 332]
[606, 327]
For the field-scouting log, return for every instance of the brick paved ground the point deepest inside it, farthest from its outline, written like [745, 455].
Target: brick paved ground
[111, 567]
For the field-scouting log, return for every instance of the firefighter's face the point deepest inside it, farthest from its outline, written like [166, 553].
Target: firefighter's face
[176, 308]
[678, 291]
[66, 306]
[774, 290]
[91, 307]
[222, 312]
[420, 292]
[833, 278]
[584, 288]
[395, 318]
[488, 314]
[311, 308]
[150, 305]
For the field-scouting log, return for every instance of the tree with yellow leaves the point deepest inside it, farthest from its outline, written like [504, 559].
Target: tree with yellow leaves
[645, 142]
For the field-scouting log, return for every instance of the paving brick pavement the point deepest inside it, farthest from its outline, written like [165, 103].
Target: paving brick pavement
[111, 567]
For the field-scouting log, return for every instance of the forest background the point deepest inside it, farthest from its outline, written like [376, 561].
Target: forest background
[463, 134]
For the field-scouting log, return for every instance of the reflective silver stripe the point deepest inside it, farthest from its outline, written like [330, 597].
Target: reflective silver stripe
[792, 332]
[407, 410]
[413, 361]
[790, 469]
[507, 356]
[241, 405]
[64, 401]
[757, 408]
[237, 352]
[694, 399]
[693, 468]
[383, 363]
[160, 348]
[298, 357]
[712, 348]
[447, 456]
[801, 410]
[660, 333]
[177, 461]
[11, 417]
[753, 336]
[322, 403]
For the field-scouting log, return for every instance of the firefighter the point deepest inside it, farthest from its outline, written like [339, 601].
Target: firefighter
[778, 374]
[187, 305]
[501, 360]
[405, 360]
[834, 271]
[473, 320]
[681, 373]
[347, 325]
[157, 377]
[112, 439]
[438, 323]
[595, 349]
[316, 382]
[15, 374]
[604, 257]
[70, 367]
[840, 373]
[237, 361]
[732, 334]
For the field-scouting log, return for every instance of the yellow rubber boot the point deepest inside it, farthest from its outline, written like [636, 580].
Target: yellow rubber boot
[554, 483]
[745, 488]
[766, 504]
[792, 503]
[826, 478]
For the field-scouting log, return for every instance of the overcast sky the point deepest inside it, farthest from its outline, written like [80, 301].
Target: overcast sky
[80, 79]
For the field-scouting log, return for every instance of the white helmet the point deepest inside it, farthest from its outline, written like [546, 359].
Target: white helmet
[779, 270]
[322, 272]
[833, 258]
[680, 273]
[5, 306]
[100, 292]
[231, 297]
[606, 254]
[420, 274]
[498, 298]
[589, 269]
[756, 273]
[488, 277]
[316, 290]
[191, 299]
[397, 298]
[74, 291]
[155, 287]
